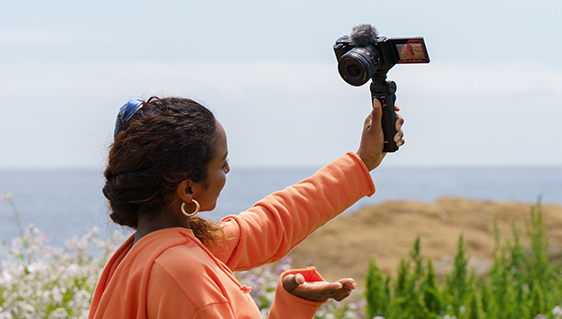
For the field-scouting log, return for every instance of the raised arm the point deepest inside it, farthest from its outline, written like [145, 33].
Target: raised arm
[276, 224]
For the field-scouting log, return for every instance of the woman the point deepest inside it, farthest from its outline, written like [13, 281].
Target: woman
[167, 163]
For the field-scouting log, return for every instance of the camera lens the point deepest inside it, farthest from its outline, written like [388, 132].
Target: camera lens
[358, 65]
[353, 70]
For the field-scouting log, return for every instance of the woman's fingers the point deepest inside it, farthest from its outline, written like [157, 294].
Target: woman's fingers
[399, 137]
[318, 290]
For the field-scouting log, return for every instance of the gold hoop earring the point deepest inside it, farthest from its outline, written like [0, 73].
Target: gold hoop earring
[197, 207]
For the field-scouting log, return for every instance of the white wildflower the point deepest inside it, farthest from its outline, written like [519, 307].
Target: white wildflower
[5, 314]
[6, 197]
[56, 294]
[72, 270]
[59, 313]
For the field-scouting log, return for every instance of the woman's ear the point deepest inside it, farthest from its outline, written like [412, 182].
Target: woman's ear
[185, 190]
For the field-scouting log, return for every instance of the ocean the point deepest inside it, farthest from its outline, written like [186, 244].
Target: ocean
[66, 202]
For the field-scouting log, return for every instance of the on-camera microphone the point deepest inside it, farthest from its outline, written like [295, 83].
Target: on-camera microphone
[363, 34]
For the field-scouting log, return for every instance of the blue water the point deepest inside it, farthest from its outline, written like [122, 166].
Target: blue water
[65, 203]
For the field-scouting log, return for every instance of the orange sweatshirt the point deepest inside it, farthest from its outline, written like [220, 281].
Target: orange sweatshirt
[170, 274]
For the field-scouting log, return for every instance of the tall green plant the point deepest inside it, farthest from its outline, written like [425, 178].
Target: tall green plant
[411, 296]
[474, 310]
[456, 283]
[430, 292]
[376, 294]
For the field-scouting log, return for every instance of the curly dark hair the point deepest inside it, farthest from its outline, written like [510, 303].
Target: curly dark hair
[166, 141]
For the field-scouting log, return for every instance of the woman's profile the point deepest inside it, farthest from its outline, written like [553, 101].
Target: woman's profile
[167, 164]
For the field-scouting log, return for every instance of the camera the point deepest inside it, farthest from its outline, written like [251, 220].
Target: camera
[365, 55]
[358, 64]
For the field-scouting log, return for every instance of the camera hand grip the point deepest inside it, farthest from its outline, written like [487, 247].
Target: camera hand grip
[385, 94]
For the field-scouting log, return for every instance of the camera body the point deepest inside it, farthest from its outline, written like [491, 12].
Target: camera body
[359, 63]
[365, 55]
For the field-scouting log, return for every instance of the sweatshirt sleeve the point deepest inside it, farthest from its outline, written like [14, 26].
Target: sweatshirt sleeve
[287, 305]
[276, 224]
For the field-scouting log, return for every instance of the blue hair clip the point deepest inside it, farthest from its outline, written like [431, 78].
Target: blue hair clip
[125, 113]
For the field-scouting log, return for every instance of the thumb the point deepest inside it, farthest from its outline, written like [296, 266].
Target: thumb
[291, 282]
[377, 110]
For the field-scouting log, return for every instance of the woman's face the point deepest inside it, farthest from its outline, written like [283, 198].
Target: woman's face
[216, 173]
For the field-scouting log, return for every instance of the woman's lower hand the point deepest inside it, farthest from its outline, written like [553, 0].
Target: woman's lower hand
[318, 290]
[372, 139]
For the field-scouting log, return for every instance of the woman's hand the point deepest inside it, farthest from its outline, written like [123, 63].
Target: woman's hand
[372, 140]
[318, 290]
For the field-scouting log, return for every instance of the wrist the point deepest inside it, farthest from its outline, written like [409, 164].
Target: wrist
[369, 161]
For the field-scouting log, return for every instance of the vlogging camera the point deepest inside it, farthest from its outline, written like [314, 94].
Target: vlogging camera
[365, 55]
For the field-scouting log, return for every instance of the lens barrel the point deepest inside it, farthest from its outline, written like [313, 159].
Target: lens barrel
[358, 65]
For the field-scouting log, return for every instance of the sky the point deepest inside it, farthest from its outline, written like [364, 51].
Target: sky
[489, 97]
